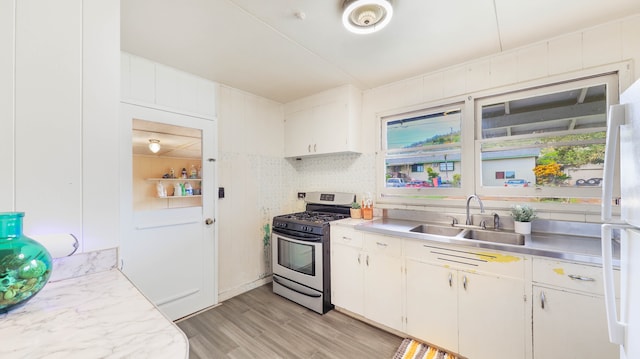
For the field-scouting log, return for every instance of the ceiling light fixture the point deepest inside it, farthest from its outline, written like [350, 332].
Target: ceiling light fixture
[366, 16]
[154, 145]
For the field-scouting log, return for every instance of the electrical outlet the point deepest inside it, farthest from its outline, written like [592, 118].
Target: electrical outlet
[301, 195]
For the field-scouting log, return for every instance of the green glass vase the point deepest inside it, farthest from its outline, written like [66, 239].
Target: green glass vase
[25, 265]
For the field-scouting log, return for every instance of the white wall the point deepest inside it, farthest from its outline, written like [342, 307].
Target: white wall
[257, 183]
[605, 44]
[58, 104]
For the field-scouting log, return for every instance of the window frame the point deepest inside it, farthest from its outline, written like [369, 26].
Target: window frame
[392, 198]
[611, 82]
[411, 195]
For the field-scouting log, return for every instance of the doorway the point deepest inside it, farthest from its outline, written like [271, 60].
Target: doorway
[168, 244]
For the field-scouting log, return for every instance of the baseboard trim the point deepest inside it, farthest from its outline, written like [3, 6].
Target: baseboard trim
[230, 293]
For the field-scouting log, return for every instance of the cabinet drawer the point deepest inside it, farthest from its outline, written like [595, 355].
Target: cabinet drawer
[384, 245]
[346, 236]
[587, 278]
[467, 258]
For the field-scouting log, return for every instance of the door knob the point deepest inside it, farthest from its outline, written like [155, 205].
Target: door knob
[208, 221]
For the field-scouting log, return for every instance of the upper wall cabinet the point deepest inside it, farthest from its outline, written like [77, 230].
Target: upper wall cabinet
[324, 123]
[147, 83]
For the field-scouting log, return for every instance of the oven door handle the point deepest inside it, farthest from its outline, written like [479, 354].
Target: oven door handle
[293, 237]
[311, 294]
[303, 237]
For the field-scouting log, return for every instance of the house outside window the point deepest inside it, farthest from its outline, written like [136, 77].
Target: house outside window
[544, 144]
[417, 144]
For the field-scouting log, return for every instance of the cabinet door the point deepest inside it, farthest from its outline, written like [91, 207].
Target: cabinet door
[432, 305]
[330, 127]
[347, 278]
[298, 132]
[491, 316]
[570, 325]
[383, 289]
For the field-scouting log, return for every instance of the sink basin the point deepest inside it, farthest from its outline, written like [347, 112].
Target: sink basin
[438, 230]
[495, 236]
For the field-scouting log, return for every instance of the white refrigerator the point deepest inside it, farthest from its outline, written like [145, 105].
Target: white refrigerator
[624, 130]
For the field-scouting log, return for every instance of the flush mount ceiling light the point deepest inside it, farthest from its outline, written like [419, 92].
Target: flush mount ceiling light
[366, 16]
[154, 145]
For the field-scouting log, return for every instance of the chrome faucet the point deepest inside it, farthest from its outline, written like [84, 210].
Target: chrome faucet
[468, 213]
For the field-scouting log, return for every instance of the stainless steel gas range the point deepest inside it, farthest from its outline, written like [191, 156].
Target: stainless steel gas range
[300, 241]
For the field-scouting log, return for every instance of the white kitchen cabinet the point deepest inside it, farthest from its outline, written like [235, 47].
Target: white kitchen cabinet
[453, 293]
[148, 83]
[569, 319]
[366, 275]
[324, 123]
[383, 299]
[432, 303]
[495, 302]
[347, 269]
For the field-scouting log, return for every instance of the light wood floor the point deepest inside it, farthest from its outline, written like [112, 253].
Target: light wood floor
[260, 324]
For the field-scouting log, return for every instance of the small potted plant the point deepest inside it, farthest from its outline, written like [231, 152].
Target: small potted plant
[522, 216]
[356, 210]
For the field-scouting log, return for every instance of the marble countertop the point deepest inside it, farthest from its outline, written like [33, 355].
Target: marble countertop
[100, 315]
[584, 249]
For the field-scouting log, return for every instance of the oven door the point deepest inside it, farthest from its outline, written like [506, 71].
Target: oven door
[298, 259]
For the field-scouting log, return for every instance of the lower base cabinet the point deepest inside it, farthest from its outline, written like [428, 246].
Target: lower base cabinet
[491, 316]
[475, 315]
[570, 325]
[432, 304]
[366, 275]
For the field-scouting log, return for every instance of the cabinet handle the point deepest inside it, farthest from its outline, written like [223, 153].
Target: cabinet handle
[450, 280]
[543, 299]
[359, 262]
[347, 238]
[314, 148]
[464, 282]
[381, 244]
[579, 277]
[367, 260]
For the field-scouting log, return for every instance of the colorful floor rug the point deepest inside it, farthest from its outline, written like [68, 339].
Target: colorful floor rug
[411, 349]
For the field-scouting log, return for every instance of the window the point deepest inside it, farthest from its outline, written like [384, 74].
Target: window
[543, 144]
[424, 148]
[446, 166]
[548, 143]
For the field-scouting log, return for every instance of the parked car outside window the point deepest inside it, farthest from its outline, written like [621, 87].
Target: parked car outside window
[418, 184]
[516, 183]
[396, 182]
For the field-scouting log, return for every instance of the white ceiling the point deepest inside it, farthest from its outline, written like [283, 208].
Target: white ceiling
[262, 47]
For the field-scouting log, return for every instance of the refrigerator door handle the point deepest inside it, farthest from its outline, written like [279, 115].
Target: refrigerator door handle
[616, 119]
[616, 328]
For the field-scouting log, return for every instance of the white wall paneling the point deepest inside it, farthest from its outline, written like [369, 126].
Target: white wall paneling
[258, 185]
[48, 95]
[59, 93]
[100, 99]
[144, 82]
[7, 31]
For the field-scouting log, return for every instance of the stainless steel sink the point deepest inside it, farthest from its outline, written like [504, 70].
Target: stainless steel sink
[495, 236]
[437, 230]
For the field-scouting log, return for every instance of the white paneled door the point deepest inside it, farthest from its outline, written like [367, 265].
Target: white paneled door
[168, 248]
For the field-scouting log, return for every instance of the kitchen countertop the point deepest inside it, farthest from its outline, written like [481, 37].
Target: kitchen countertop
[560, 246]
[100, 315]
